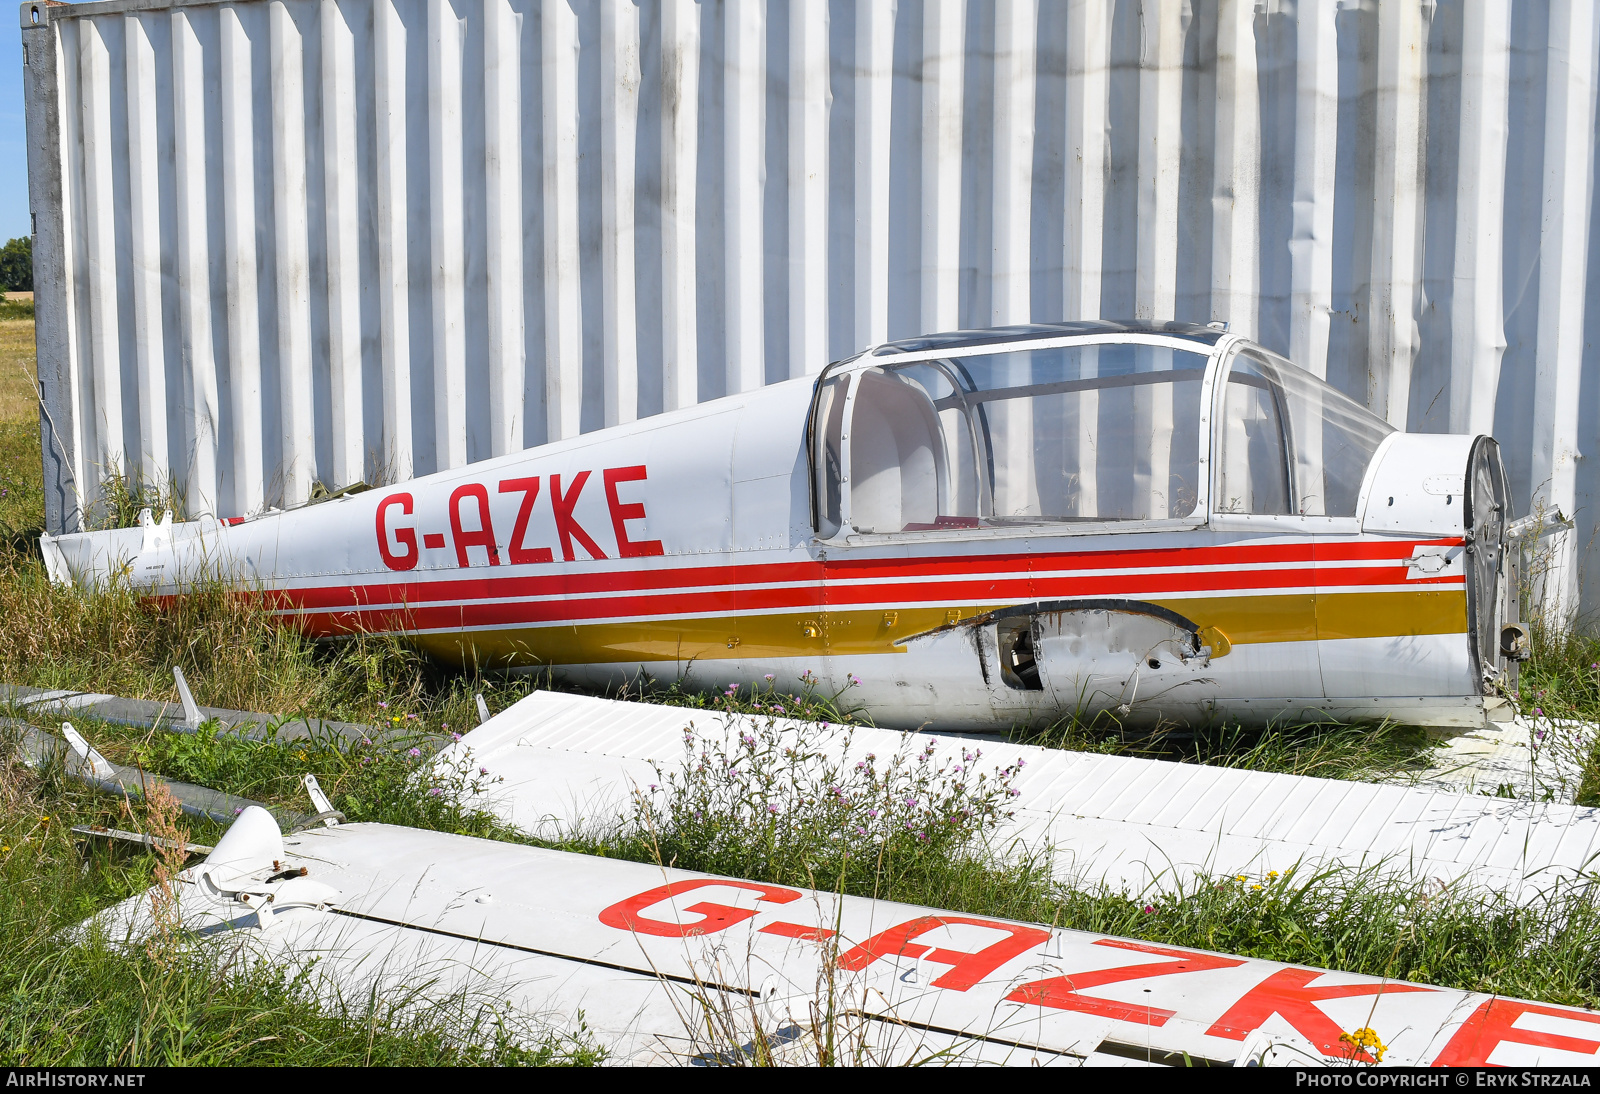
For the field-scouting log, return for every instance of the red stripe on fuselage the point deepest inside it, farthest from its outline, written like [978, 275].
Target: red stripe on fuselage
[485, 584]
[485, 613]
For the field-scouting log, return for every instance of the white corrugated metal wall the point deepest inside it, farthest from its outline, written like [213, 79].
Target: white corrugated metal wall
[293, 240]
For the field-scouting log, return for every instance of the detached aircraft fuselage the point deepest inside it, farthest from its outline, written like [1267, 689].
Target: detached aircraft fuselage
[983, 528]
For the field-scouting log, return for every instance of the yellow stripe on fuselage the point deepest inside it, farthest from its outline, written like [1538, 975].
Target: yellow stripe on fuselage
[1295, 617]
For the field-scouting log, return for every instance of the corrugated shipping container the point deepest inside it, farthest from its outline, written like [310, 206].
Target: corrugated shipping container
[287, 241]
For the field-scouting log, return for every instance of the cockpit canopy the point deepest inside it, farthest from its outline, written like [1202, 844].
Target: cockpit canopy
[1100, 430]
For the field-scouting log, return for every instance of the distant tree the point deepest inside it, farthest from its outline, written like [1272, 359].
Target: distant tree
[16, 265]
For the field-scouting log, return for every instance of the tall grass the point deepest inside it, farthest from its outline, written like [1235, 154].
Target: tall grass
[99, 1004]
[771, 808]
[1369, 921]
[1327, 750]
[773, 803]
[803, 700]
[102, 1004]
[1559, 686]
[235, 654]
[123, 497]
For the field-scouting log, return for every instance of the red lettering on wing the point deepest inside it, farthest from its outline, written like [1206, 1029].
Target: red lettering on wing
[481, 536]
[625, 914]
[1062, 992]
[529, 489]
[966, 968]
[621, 514]
[1289, 994]
[405, 537]
[567, 527]
[1493, 1024]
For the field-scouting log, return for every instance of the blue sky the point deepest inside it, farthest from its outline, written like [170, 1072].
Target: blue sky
[13, 142]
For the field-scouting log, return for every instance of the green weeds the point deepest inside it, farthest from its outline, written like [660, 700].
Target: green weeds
[773, 804]
[807, 704]
[123, 496]
[95, 1006]
[102, 1004]
[770, 807]
[236, 654]
[389, 778]
[1321, 749]
[21, 487]
[1367, 921]
[766, 806]
[1560, 686]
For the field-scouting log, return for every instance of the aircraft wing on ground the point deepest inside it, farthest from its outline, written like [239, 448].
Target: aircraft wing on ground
[654, 957]
[563, 763]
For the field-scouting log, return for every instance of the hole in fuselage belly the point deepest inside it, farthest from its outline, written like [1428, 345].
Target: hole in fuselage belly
[1017, 663]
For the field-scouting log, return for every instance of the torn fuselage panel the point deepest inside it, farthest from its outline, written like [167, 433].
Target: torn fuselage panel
[1089, 656]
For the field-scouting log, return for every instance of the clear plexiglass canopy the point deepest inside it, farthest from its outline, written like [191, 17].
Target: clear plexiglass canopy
[1092, 432]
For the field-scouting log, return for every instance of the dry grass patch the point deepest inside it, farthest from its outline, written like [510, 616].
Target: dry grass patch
[19, 371]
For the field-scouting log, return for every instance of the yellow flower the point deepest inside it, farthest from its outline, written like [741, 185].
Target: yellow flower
[1255, 886]
[1273, 874]
[1365, 1038]
[1241, 877]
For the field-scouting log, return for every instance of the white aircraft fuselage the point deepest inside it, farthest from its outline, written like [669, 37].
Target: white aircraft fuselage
[971, 530]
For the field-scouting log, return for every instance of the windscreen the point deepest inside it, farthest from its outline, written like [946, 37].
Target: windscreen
[1084, 433]
[1290, 443]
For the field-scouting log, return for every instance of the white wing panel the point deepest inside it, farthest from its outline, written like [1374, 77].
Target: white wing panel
[649, 954]
[568, 760]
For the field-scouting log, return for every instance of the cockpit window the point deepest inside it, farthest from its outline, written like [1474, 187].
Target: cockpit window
[1087, 433]
[827, 456]
[1291, 443]
[1254, 475]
